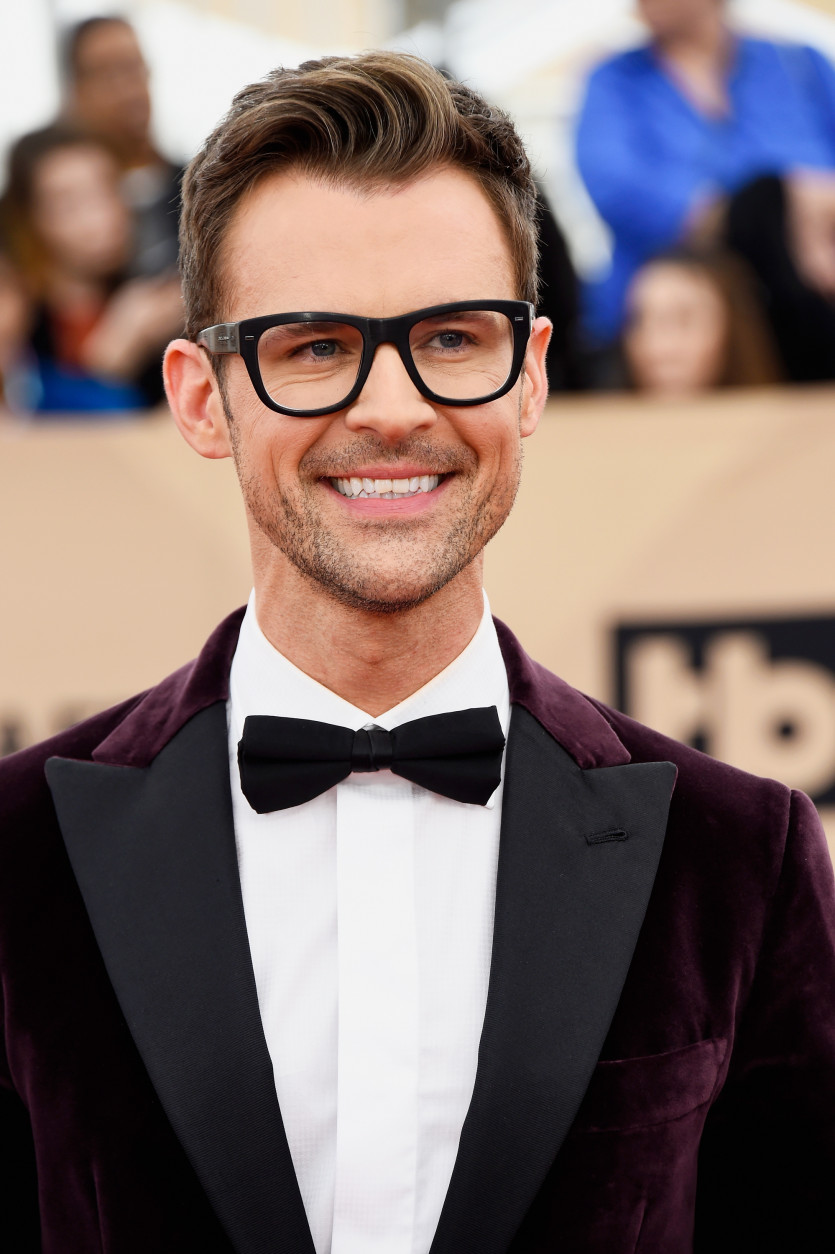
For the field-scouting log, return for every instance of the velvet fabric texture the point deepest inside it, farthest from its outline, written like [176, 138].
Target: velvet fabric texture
[702, 1112]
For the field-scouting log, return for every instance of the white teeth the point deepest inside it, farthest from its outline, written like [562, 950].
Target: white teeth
[390, 489]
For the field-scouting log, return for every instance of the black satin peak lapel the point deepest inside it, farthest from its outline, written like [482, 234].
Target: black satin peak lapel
[578, 856]
[153, 851]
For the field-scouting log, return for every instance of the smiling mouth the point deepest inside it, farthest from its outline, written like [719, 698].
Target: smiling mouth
[386, 489]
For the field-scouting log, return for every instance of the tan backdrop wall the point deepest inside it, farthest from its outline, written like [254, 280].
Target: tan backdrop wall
[680, 558]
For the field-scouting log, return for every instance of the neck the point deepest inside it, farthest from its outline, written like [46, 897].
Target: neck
[698, 60]
[372, 660]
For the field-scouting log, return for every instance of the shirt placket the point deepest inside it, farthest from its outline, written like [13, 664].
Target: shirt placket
[378, 1037]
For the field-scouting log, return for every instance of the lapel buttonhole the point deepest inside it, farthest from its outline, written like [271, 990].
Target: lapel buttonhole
[601, 838]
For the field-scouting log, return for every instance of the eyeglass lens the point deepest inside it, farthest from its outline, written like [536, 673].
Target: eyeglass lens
[458, 356]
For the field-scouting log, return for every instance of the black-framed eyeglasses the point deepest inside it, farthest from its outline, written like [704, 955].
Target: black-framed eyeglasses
[466, 352]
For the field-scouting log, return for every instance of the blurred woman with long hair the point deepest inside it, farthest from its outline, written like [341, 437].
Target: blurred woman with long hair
[694, 324]
[96, 339]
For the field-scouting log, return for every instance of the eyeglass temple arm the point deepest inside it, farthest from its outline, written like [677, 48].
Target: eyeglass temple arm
[222, 338]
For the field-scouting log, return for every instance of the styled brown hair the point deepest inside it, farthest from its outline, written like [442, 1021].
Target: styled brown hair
[364, 121]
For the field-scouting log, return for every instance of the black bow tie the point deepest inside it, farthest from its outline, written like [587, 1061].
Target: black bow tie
[286, 761]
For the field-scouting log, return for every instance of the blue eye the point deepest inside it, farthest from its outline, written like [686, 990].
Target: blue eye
[451, 339]
[323, 348]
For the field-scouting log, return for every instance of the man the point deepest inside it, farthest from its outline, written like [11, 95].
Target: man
[106, 92]
[277, 980]
[709, 137]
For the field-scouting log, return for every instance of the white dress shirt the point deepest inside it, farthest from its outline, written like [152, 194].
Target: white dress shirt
[370, 918]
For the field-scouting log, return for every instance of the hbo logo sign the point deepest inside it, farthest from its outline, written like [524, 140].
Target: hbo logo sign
[759, 693]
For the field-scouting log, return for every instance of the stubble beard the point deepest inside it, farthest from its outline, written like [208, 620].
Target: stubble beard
[406, 565]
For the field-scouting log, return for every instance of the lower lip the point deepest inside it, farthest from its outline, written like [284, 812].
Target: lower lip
[382, 507]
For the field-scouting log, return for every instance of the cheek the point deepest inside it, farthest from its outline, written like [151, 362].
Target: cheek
[491, 432]
[709, 353]
[499, 468]
[266, 459]
[268, 447]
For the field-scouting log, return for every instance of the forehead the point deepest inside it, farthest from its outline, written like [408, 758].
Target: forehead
[71, 166]
[663, 11]
[666, 282]
[296, 243]
[105, 44]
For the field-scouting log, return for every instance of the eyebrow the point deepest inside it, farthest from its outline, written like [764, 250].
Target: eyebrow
[301, 329]
[462, 315]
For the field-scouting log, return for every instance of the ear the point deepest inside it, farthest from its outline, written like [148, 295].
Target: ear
[195, 400]
[535, 382]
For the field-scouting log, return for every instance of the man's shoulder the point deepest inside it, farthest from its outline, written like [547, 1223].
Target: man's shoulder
[29, 836]
[752, 831]
[697, 772]
[597, 735]
[719, 813]
[128, 734]
[22, 779]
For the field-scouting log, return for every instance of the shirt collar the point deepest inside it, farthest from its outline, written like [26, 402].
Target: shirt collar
[264, 681]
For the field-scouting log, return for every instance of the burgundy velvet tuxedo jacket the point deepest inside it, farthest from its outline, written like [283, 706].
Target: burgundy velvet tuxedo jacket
[657, 1064]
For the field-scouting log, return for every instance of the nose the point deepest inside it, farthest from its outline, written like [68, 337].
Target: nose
[389, 403]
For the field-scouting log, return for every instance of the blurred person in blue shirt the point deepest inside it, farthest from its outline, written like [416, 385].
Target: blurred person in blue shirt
[670, 136]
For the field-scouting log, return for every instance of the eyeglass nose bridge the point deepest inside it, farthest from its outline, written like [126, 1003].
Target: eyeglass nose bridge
[389, 331]
[381, 331]
[393, 331]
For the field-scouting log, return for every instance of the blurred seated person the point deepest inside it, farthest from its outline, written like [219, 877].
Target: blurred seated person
[106, 92]
[693, 324]
[559, 300]
[784, 228]
[670, 134]
[96, 339]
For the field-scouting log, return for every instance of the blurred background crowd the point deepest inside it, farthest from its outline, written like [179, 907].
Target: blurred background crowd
[685, 151]
[685, 157]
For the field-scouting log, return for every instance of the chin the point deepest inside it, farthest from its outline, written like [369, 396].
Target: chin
[376, 589]
[377, 596]
[396, 573]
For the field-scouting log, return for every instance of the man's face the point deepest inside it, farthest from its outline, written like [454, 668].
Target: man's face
[297, 244]
[677, 19]
[111, 83]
